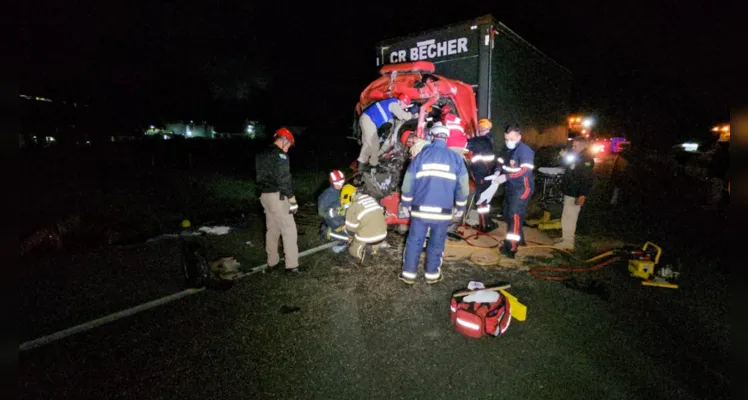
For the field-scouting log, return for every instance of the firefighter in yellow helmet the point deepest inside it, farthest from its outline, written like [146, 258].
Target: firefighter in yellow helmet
[365, 222]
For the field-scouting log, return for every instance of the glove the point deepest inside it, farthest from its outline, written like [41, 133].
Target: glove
[457, 216]
[294, 206]
[373, 170]
[341, 211]
[488, 194]
[405, 211]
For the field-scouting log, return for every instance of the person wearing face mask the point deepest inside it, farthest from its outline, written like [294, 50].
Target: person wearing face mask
[576, 186]
[515, 167]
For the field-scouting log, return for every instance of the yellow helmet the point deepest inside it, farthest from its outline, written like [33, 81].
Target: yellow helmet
[186, 223]
[346, 194]
[484, 124]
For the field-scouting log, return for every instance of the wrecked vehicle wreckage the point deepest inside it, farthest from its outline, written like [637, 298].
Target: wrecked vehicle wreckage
[430, 93]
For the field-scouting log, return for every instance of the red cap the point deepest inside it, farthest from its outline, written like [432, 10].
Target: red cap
[404, 137]
[285, 133]
[404, 98]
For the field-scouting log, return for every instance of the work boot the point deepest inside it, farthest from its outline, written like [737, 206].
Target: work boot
[507, 252]
[436, 280]
[565, 245]
[293, 271]
[407, 281]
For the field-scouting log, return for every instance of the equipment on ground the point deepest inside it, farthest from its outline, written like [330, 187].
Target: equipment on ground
[481, 313]
[643, 263]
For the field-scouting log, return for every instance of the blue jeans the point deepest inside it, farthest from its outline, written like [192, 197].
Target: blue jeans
[414, 245]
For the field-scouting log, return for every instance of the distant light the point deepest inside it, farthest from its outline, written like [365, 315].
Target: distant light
[473, 27]
[715, 129]
[579, 119]
[250, 128]
[570, 158]
[570, 139]
[88, 142]
[153, 127]
[189, 132]
[690, 146]
[166, 137]
[26, 96]
[584, 130]
[725, 128]
[588, 122]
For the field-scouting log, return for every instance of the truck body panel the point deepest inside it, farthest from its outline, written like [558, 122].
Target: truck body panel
[513, 81]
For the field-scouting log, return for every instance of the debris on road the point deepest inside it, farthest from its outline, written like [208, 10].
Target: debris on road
[215, 230]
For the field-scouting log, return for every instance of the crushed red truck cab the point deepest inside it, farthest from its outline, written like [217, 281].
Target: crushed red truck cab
[418, 81]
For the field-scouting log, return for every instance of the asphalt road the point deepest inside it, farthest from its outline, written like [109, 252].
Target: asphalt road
[360, 333]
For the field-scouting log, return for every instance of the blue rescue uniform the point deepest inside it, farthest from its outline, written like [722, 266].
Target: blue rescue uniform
[328, 203]
[435, 186]
[517, 164]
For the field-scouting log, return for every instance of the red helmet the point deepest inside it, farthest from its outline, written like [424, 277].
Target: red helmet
[404, 137]
[337, 177]
[404, 98]
[284, 133]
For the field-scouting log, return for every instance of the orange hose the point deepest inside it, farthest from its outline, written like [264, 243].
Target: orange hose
[569, 270]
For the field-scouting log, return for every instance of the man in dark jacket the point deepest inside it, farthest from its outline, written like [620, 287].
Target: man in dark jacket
[332, 212]
[482, 163]
[576, 187]
[274, 181]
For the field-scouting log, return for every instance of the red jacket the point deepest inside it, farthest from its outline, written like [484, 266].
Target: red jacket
[457, 136]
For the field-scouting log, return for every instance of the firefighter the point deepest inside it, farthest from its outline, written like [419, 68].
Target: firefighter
[413, 143]
[482, 164]
[457, 139]
[434, 192]
[330, 209]
[371, 119]
[365, 221]
[515, 168]
[278, 201]
[576, 186]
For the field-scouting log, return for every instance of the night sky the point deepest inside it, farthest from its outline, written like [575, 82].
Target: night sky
[648, 70]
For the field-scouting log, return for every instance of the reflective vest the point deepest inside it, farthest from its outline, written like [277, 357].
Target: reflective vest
[435, 183]
[379, 112]
[365, 219]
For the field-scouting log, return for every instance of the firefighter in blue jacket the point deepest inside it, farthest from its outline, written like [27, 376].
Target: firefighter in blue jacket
[371, 119]
[516, 167]
[329, 208]
[482, 162]
[435, 190]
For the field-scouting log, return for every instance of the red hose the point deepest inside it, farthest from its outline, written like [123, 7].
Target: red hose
[569, 270]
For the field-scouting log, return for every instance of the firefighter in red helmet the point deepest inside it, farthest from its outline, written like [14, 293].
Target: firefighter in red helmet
[278, 200]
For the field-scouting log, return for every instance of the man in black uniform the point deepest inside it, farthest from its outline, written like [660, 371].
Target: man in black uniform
[481, 164]
[576, 186]
[274, 180]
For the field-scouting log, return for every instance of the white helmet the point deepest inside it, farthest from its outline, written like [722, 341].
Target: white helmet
[439, 130]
